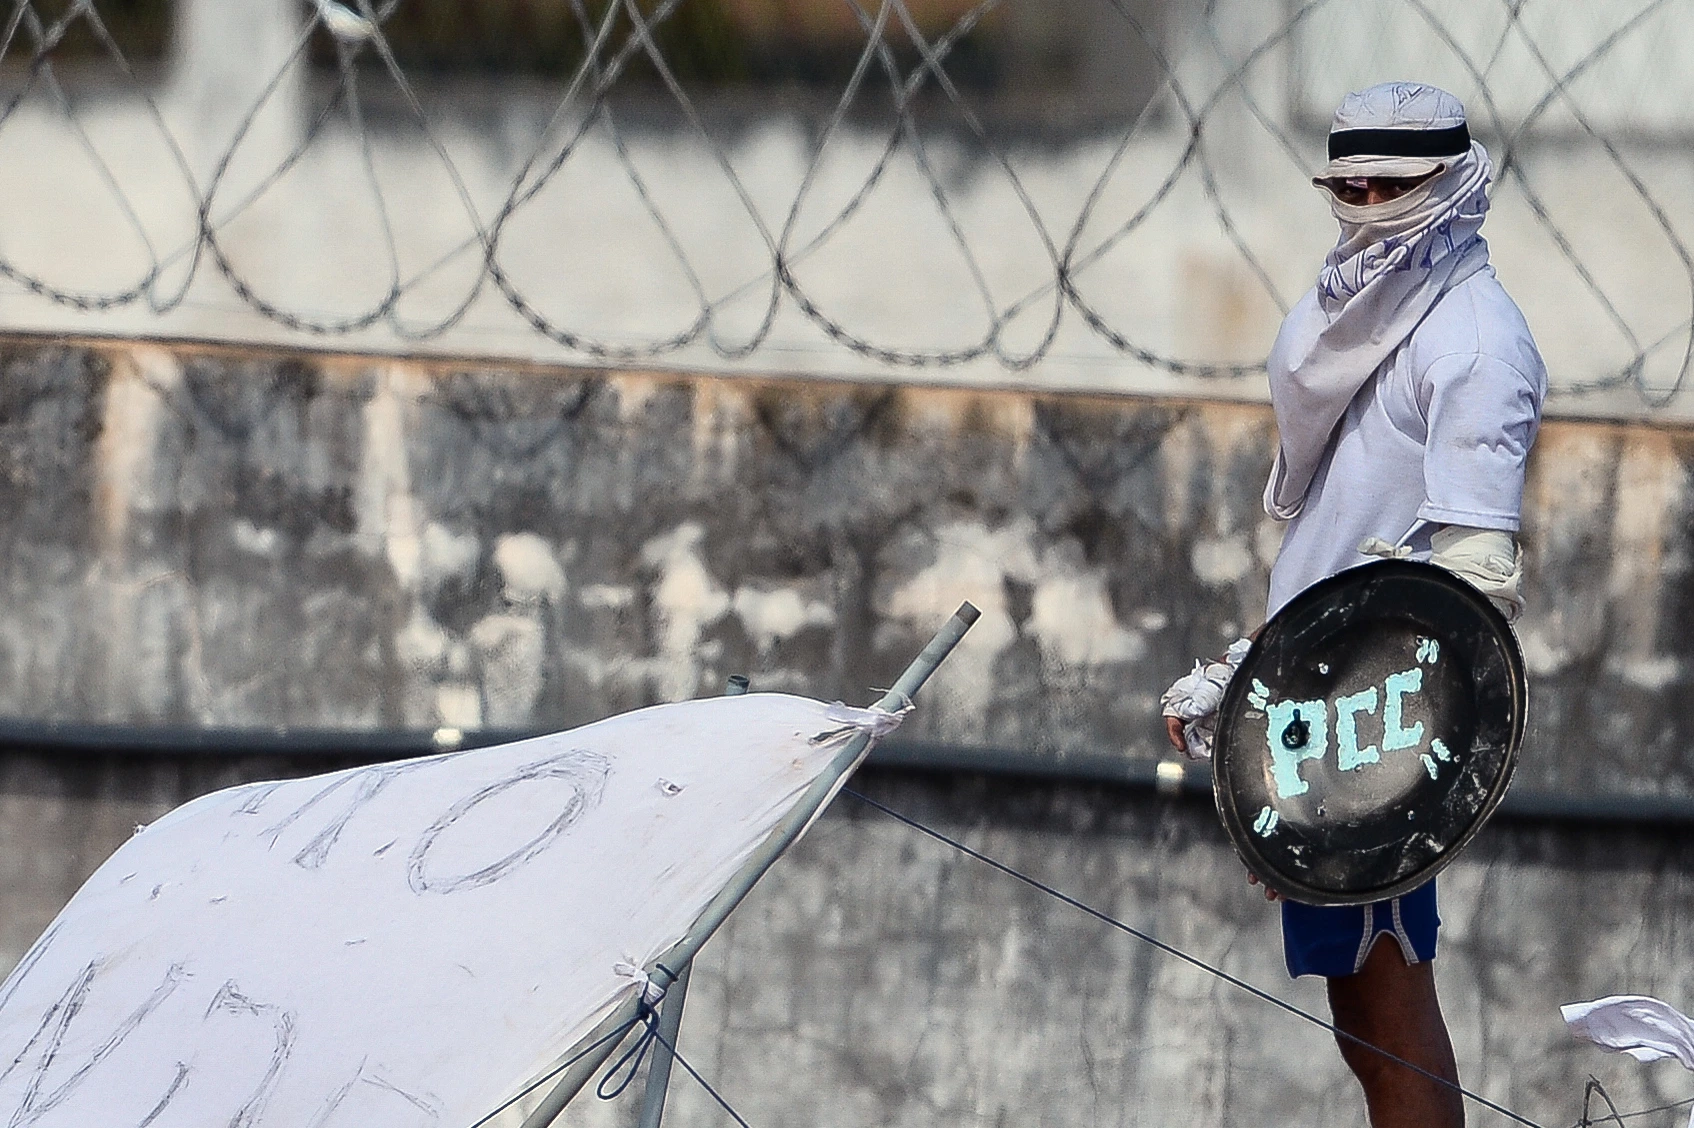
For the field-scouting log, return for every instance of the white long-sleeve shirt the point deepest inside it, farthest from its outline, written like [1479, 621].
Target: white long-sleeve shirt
[1440, 433]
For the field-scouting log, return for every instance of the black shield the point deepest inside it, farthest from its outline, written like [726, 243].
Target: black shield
[1369, 733]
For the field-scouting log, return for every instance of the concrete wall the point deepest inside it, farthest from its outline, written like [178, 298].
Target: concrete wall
[201, 537]
[204, 537]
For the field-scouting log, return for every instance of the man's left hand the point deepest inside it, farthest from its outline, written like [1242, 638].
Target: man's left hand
[1270, 894]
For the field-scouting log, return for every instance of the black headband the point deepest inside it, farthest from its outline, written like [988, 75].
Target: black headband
[1399, 142]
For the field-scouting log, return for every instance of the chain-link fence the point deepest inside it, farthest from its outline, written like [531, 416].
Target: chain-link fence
[1091, 193]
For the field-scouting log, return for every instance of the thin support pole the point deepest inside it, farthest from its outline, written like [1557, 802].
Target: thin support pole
[670, 1010]
[781, 837]
[659, 1073]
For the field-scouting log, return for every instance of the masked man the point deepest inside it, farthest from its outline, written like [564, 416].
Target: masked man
[1407, 391]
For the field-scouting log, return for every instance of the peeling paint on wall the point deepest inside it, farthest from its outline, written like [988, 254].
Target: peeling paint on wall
[199, 536]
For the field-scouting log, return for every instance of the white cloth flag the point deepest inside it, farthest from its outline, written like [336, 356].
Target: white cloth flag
[1638, 1025]
[403, 945]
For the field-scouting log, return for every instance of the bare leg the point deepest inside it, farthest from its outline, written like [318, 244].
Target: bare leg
[1392, 1005]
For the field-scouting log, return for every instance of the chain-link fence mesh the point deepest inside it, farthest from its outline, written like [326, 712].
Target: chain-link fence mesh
[1103, 193]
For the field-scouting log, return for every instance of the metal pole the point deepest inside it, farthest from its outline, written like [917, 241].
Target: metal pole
[670, 1010]
[781, 837]
[659, 1073]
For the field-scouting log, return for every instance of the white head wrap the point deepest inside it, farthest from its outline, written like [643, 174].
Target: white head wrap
[1391, 265]
[1429, 118]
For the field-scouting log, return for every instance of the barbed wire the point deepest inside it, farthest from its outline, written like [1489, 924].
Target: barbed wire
[1211, 90]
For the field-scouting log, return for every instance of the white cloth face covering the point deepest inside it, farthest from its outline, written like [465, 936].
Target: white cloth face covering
[1376, 285]
[1364, 224]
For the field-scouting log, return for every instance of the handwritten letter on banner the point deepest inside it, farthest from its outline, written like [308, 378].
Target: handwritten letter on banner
[402, 945]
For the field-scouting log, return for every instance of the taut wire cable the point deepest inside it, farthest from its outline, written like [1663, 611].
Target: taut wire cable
[1188, 958]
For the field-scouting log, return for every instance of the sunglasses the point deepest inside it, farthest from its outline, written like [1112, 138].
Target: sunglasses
[1359, 190]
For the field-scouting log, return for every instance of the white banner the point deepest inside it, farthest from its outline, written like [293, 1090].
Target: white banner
[397, 946]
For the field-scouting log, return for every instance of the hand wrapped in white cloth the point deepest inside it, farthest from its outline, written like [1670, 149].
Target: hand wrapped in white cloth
[1194, 698]
[1488, 559]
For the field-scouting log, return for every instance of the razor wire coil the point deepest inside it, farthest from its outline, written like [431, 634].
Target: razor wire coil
[625, 34]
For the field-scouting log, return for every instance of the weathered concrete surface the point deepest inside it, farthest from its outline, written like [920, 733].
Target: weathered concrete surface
[199, 537]
[885, 979]
[877, 977]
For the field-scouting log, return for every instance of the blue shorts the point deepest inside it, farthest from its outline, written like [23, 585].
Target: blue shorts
[1334, 941]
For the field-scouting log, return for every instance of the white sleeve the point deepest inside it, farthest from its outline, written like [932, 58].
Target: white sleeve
[1482, 415]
